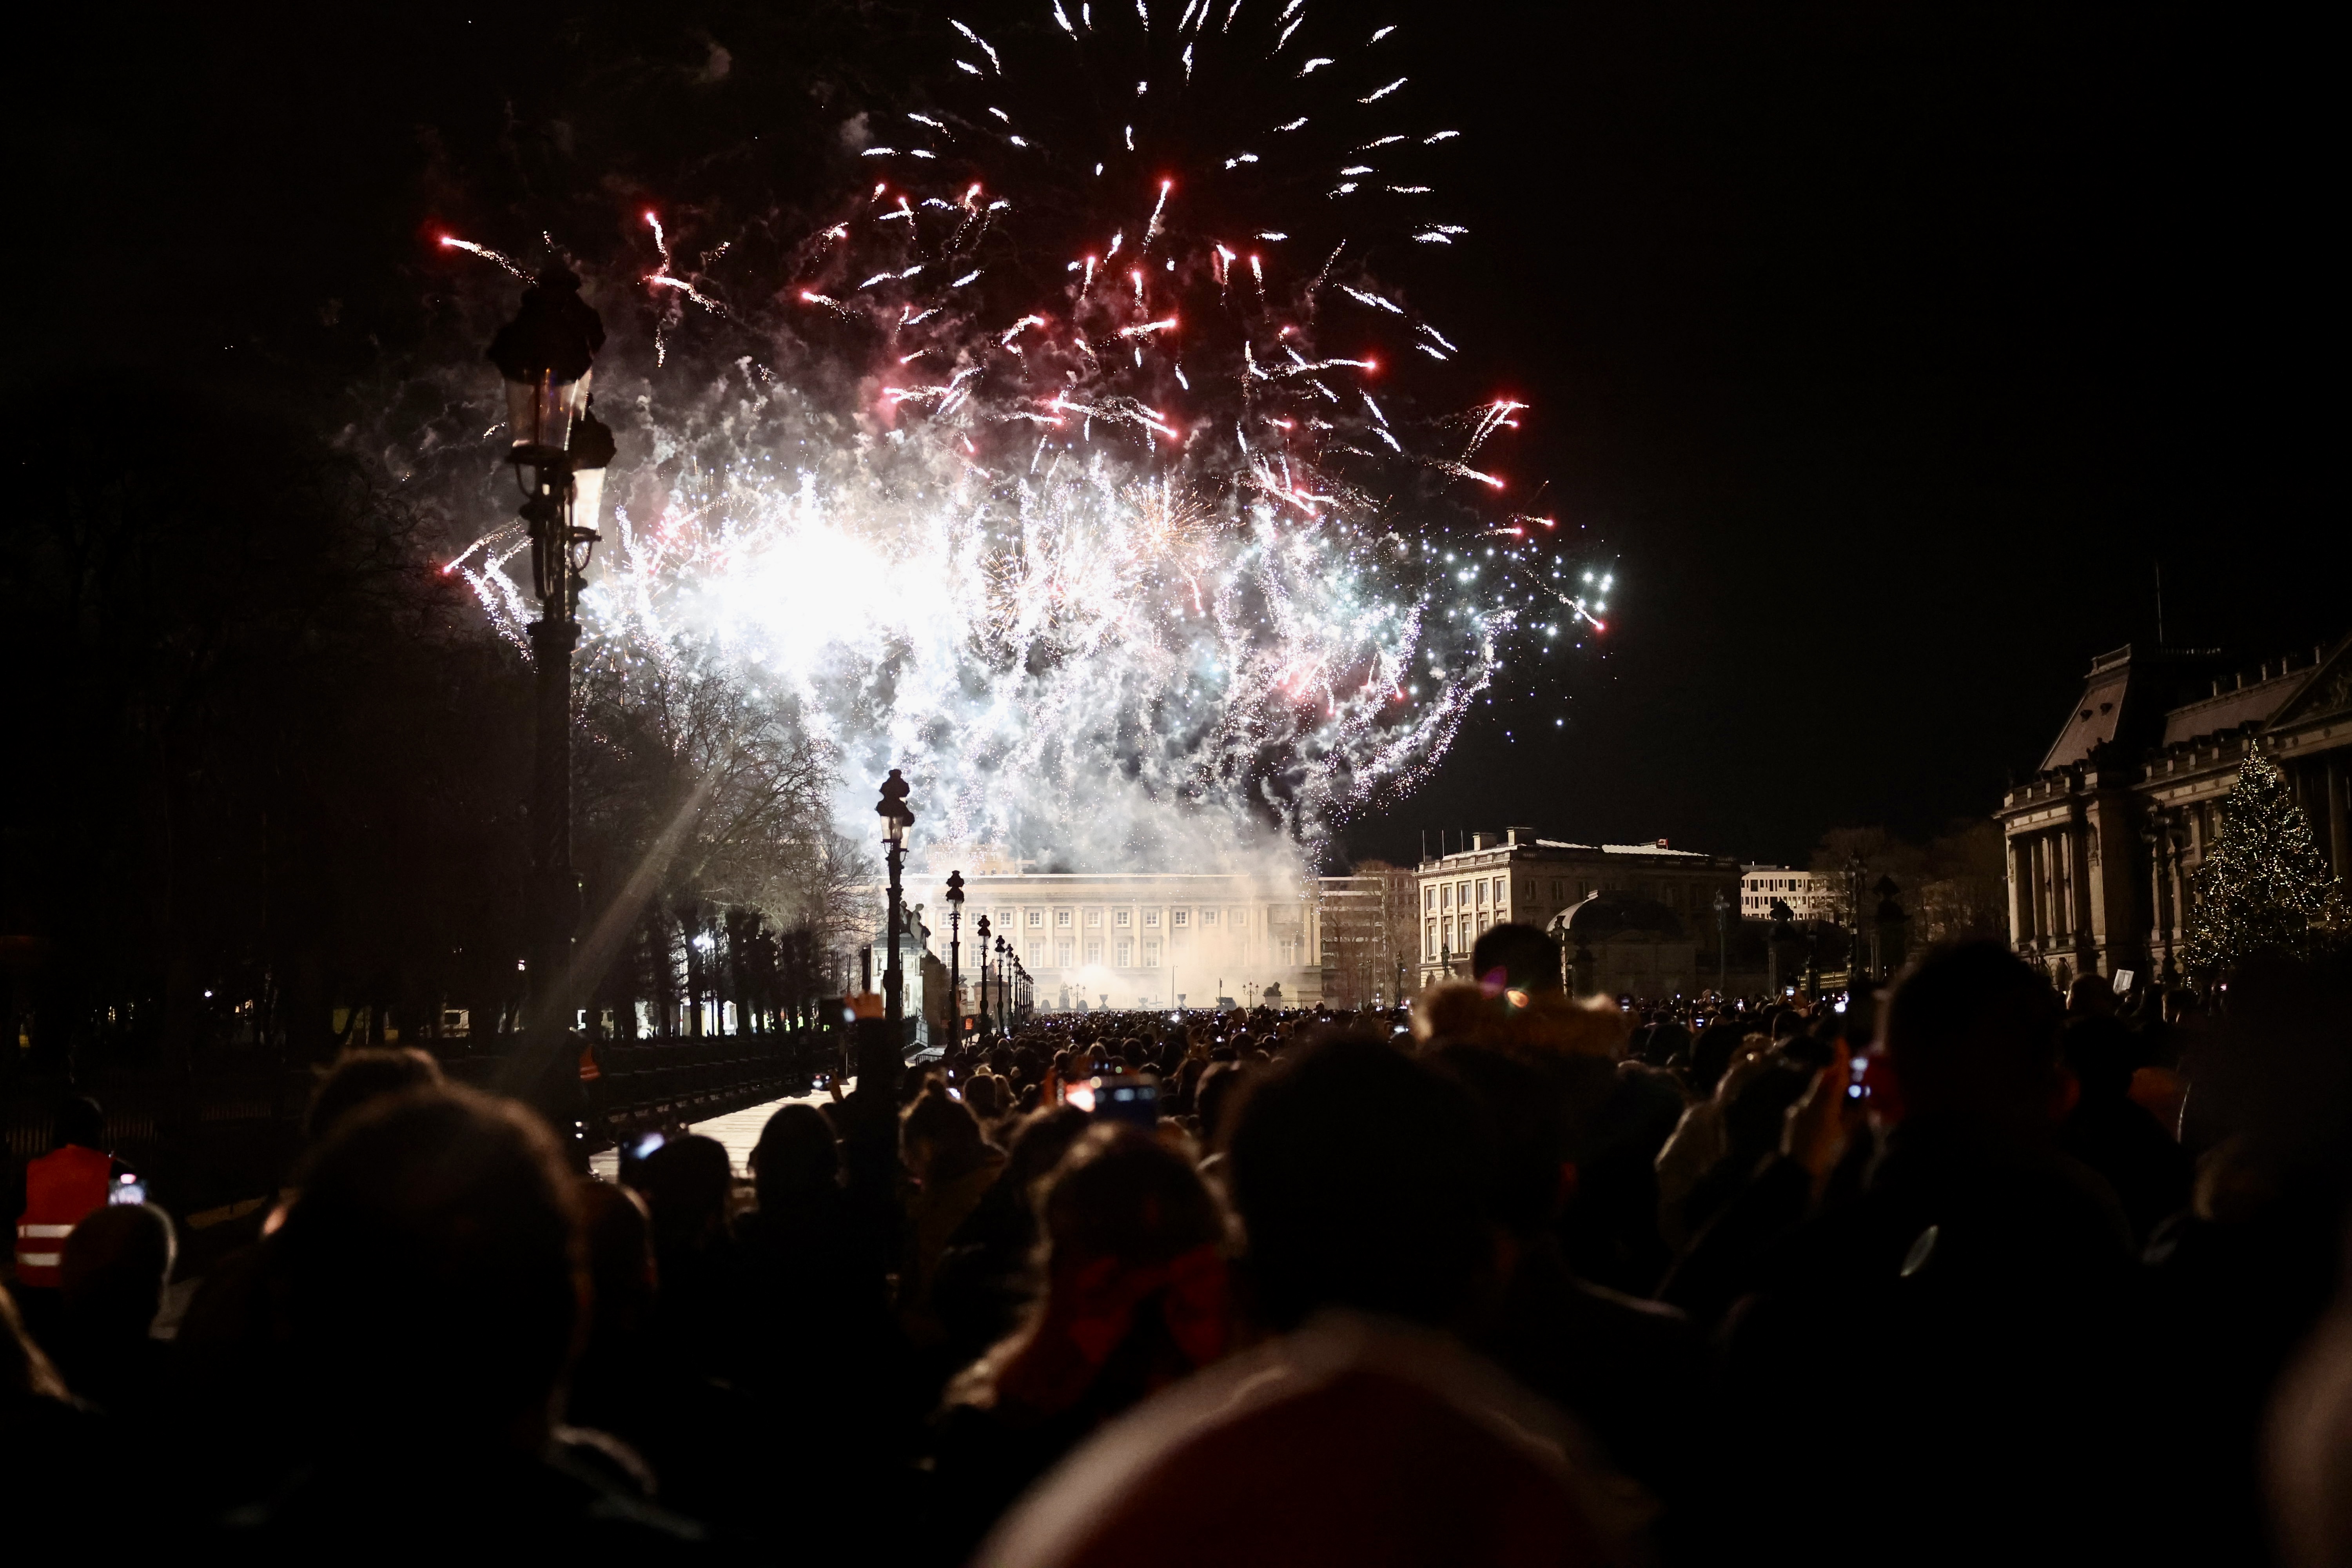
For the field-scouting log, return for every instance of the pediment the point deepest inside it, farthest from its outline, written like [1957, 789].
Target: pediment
[2328, 690]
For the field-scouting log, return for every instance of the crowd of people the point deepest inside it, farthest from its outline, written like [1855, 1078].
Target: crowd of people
[1963, 1270]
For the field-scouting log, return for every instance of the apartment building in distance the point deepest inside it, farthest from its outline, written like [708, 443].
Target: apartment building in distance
[1810, 897]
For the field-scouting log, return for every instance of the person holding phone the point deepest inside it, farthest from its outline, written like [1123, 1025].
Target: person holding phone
[1136, 1298]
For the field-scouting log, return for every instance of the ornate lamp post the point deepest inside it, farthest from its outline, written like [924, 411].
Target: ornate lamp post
[1782, 915]
[558, 453]
[1003, 988]
[984, 1023]
[896, 820]
[955, 955]
[1722, 942]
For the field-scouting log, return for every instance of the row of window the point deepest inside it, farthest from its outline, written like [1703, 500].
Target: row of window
[1065, 953]
[1491, 892]
[1442, 936]
[1237, 919]
[1448, 895]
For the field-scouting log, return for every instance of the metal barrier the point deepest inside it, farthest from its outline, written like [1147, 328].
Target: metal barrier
[221, 1136]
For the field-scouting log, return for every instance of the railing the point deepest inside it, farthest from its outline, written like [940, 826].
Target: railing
[205, 1137]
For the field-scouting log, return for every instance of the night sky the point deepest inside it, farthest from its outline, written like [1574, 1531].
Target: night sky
[1889, 349]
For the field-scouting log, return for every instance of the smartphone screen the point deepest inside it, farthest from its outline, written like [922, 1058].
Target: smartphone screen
[1856, 1072]
[1126, 1097]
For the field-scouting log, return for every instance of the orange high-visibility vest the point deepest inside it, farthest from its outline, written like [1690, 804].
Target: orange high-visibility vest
[61, 1188]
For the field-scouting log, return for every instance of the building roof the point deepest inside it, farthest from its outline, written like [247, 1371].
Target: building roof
[2255, 703]
[1657, 848]
[2123, 700]
[2098, 717]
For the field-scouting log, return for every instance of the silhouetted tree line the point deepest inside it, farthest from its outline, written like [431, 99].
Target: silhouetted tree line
[269, 769]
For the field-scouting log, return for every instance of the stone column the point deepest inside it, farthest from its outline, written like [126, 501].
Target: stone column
[2061, 886]
[2045, 924]
[2021, 891]
[2034, 920]
[2082, 897]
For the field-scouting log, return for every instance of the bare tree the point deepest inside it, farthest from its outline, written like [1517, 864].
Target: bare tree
[1881, 854]
[1374, 936]
[1953, 887]
[703, 792]
[1965, 893]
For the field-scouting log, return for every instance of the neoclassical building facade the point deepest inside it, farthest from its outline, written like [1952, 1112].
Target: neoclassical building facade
[2104, 839]
[1123, 939]
[1515, 876]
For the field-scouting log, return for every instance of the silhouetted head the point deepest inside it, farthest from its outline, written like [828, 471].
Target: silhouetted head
[937, 1136]
[2101, 1053]
[116, 1265]
[433, 1270]
[361, 1074]
[1710, 1053]
[2090, 996]
[1360, 1177]
[1039, 1143]
[1972, 1033]
[984, 1094]
[620, 1242]
[1119, 1193]
[686, 1183]
[1517, 957]
[80, 1122]
[795, 1158]
[1212, 1097]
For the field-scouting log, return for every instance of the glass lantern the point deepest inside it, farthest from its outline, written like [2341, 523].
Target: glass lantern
[539, 411]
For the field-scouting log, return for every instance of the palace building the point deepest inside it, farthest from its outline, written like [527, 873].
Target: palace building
[1810, 894]
[2104, 838]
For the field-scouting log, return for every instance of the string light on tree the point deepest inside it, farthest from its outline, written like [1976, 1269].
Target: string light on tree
[2264, 885]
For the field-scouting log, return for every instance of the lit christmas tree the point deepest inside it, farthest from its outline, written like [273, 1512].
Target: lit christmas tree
[2264, 883]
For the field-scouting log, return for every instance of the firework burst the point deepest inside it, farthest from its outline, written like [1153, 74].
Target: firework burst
[1065, 469]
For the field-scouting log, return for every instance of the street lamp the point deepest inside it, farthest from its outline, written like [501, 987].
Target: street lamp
[559, 452]
[955, 955]
[983, 975]
[1003, 988]
[896, 820]
[1722, 942]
